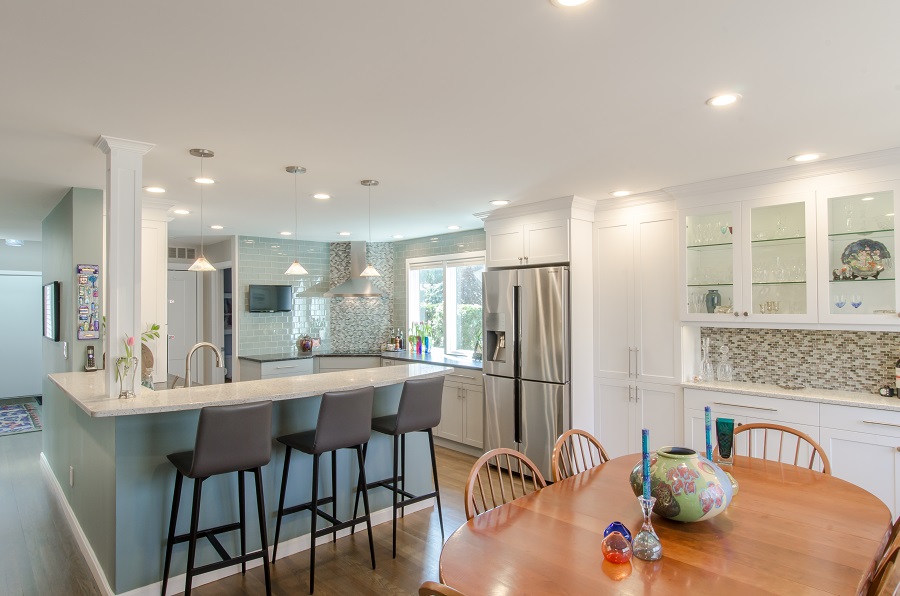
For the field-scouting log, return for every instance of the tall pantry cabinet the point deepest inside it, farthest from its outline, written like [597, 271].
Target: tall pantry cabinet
[636, 328]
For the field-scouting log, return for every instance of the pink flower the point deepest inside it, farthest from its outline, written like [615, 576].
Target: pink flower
[130, 341]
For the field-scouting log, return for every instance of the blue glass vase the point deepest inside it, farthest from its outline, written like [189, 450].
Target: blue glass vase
[427, 341]
[713, 299]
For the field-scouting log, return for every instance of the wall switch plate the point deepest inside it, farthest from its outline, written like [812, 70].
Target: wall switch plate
[66, 350]
[71, 475]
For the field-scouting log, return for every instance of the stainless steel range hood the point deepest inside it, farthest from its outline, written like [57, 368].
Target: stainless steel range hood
[356, 285]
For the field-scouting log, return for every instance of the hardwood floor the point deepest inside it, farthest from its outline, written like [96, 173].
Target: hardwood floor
[40, 555]
[39, 552]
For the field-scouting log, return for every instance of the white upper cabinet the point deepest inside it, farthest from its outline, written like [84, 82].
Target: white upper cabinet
[753, 261]
[534, 243]
[857, 248]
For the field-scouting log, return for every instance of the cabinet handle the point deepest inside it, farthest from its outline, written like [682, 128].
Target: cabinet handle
[464, 394]
[461, 377]
[526, 260]
[520, 260]
[637, 364]
[737, 314]
[745, 313]
[629, 367]
[898, 449]
[289, 366]
[881, 423]
[719, 403]
[629, 393]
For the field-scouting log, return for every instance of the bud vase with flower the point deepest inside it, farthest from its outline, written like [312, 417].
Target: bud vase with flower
[126, 366]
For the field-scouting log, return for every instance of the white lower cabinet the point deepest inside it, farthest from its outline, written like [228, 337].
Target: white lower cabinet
[863, 445]
[252, 370]
[462, 408]
[342, 363]
[622, 409]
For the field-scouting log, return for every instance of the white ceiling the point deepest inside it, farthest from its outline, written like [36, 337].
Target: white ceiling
[449, 104]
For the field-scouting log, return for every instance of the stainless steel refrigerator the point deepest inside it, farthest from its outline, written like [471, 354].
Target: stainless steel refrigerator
[526, 360]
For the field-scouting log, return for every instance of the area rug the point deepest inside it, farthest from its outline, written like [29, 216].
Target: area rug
[19, 418]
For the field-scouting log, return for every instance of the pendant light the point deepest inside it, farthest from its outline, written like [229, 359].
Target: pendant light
[370, 270]
[296, 268]
[201, 264]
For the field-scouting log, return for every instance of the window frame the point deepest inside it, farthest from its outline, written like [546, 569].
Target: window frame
[475, 257]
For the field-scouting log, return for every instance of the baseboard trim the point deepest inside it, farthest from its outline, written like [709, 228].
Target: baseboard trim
[176, 583]
[460, 447]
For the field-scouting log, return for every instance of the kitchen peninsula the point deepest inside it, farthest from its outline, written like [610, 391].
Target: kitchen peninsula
[107, 460]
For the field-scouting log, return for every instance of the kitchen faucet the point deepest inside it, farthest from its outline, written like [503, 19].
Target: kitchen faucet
[187, 360]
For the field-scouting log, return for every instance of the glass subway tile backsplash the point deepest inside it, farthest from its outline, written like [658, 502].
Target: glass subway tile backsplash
[843, 360]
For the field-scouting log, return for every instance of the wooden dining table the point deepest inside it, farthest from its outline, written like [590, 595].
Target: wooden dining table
[789, 530]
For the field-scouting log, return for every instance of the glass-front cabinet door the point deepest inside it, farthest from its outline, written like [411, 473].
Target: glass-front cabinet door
[857, 251]
[779, 261]
[710, 284]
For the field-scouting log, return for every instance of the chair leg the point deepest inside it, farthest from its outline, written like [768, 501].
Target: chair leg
[284, 479]
[243, 520]
[402, 474]
[334, 490]
[437, 490]
[394, 495]
[176, 497]
[312, 529]
[192, 543]
[365, 493]
[365, 448]
[261, 512]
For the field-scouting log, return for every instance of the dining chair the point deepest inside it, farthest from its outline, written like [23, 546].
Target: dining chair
[506, 474]
[576, 451]
[886, 578]
[436, 589]
[773, 438]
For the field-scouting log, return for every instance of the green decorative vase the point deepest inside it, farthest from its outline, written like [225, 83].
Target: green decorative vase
[687, 486]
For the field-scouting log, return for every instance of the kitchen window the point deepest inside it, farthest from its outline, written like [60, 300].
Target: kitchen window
[445, 292]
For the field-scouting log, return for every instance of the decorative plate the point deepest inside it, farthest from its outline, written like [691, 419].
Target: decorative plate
[866, 258]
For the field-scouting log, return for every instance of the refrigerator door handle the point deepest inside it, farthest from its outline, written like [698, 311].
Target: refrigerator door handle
[517, 410]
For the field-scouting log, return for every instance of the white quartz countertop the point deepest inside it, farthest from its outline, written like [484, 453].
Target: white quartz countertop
[88, 389]
[824, 396]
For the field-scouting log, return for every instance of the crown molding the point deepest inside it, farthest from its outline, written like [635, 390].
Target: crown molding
[106, 144]
[635, 200]
[576, 206]
[825, 167]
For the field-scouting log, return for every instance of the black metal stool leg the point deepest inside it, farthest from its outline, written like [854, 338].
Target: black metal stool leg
[312, 529]
[356, 504]
[365, 492]
[261, 512]
[284, 479]
[402, 474]
[176, 497]
[243, 520]
[334, 490]
[437, 490]
[394, 495]
[192, 542]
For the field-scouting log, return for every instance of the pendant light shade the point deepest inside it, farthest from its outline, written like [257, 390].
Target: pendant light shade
[370, 270]
[201, 264]
[296, 268]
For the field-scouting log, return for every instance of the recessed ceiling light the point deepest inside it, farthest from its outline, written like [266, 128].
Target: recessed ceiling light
[182, 212]
[397, 236]
[620, 193]
[204, 181]
[217, 227]
[723, 100]
[567, 3]
[155, 189]
[16, 243]
[500, 202]
[452, 227]
[868, 198]
[285, 233]
[343, 233]
[322, 196]
[805, 157]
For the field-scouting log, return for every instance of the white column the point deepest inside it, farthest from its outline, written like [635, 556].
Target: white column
[124, 169]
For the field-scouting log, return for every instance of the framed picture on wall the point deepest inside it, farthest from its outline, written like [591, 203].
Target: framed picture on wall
[51, 311]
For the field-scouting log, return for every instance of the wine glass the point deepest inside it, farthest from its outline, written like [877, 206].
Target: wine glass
[840, 301]
[855, 300]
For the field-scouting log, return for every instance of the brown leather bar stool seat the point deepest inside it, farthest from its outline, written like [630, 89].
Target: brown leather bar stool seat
[229, 439]
[419, 411]
[343, 423]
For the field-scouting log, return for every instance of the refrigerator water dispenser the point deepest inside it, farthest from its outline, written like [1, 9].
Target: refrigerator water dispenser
[495, 337]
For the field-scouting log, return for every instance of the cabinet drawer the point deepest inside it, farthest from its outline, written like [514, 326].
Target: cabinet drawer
[867, 420]
[287, 368]
[331, 363]
[768, 408]
[465, 375]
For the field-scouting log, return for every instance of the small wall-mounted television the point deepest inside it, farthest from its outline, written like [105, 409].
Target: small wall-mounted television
[51, 311]
[270, 298]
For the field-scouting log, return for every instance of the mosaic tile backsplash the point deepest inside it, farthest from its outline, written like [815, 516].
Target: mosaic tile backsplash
[843, 360]
[361, 324]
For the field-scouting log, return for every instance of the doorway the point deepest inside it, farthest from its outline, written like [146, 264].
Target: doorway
[184, 324]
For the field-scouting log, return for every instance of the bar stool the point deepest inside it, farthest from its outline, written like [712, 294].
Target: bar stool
[343, 423]
[419, 411]
[229, 439]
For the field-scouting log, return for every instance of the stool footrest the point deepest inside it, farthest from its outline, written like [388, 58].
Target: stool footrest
[306, 506]
[208, 532]
[387, 483]
[413, 499]
[339, 525]
[228, 562]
